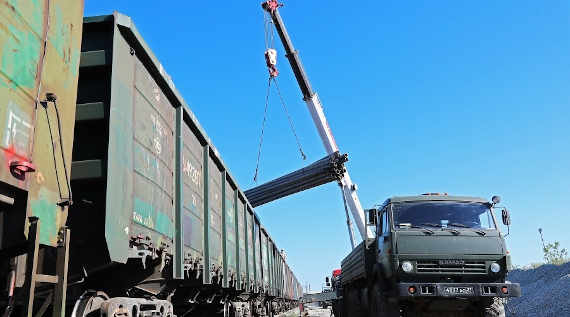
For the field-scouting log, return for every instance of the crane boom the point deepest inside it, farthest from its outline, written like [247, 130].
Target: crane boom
[313, 102]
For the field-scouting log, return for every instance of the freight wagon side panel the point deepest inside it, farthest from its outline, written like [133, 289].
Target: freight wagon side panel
[265, 261]
[282, 268]
[123, 160]
[229, 220]
[276, 285]
[215, 215]
[283, 278]
[193, 194]
[242, 255]
[281, 283]
[276, 269]
[250, 247]
[27, 72]
[286, 283]
[274, 255]
[295, 288]
[271, 259]
[153, 156]
[119, 206]
[140, 159]
[258, 255]
[280, 275]
[291, 285]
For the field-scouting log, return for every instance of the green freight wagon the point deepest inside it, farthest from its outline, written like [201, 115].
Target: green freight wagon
[157, 211]
[39, 61]
[39, 54]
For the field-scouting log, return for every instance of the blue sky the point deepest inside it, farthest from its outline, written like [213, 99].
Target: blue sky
[462, 97]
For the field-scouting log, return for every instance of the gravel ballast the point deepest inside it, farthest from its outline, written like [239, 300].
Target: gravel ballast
[545, 291]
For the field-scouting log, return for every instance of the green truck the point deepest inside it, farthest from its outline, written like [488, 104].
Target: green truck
[431, 255]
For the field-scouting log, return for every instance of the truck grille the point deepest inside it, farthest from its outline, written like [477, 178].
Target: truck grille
[467, 267]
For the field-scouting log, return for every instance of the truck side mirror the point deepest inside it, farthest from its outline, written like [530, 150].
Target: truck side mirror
[327, 279]
[506, 217]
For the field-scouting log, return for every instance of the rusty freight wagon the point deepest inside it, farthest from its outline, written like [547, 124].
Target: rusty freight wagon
[39, 62]
[157, 213]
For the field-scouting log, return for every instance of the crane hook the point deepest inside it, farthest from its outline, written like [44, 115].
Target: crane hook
[271, 62]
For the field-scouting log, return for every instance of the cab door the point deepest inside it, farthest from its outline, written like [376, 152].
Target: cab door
[384, 240]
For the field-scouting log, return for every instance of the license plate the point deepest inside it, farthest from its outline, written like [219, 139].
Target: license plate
[455, 290]
[451, 262]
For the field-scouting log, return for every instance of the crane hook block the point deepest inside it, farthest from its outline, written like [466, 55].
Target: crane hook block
[271, 5]
[271, 62]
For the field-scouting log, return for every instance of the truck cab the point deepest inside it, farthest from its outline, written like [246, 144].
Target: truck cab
[431, 253]
[435, 245]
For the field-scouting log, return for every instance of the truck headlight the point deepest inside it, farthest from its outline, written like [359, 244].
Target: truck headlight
[495, 267]
[407, 266]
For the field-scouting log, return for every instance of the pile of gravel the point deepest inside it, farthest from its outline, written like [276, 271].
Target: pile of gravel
[545, 291]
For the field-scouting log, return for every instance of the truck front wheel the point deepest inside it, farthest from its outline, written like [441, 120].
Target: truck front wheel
[338, 308]
[493, 307]
[380, 305]
[355, 304]
[488, 307]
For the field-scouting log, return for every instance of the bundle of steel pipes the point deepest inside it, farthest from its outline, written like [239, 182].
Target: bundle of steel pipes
[325, 170]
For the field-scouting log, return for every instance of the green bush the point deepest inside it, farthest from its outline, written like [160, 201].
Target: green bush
[553, 254]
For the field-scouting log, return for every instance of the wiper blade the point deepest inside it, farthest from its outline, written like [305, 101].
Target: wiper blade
[454, 231]
[425, 230]
[431, 224]
[480, 232]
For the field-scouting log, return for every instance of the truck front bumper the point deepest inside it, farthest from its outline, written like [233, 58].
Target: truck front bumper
[459, 290]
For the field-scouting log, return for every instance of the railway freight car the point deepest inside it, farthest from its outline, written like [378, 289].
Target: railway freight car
[159, 223]
[39, 60]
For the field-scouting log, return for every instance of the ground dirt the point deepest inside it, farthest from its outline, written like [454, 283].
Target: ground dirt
[291, 313]
[309, 312]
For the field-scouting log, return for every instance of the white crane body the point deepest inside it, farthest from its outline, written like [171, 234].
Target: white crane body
[315, 107]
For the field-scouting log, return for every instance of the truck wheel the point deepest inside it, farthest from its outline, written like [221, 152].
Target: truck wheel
[415, 313]
[379, 304]
[493, 307]
[337, 308]
[353, 304]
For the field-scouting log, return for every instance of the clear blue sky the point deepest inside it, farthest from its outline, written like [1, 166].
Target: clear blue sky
[465, 97]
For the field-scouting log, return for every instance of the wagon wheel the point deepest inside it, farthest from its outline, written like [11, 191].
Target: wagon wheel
[89, 303]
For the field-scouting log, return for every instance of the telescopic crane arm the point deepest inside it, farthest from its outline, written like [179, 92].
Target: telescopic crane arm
[315, 108]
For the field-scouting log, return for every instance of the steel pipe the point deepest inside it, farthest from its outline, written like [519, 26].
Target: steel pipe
[328, 169]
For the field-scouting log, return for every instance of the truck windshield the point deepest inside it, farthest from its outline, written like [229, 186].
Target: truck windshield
[442, 214]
